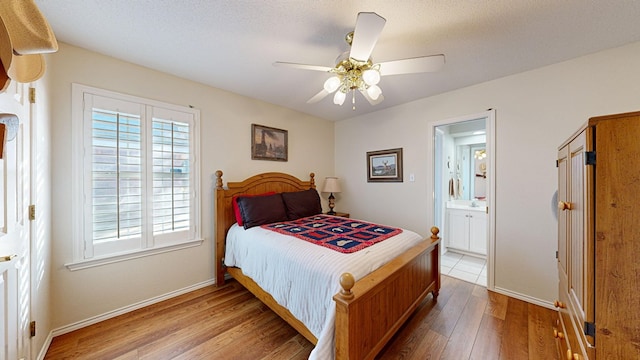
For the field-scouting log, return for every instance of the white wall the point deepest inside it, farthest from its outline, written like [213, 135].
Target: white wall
[226, 120]
[535, 112]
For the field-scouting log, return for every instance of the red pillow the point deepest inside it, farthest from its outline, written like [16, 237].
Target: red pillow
[236, 209]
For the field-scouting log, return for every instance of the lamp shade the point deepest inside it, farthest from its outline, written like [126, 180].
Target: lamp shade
[331, 185]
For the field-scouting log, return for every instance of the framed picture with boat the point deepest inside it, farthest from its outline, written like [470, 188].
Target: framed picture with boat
[384, 165]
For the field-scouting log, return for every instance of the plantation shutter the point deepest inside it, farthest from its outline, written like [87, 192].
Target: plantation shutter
[116, 181]
[171, 186]
[117, 175]
[172, 176]
[139, 176]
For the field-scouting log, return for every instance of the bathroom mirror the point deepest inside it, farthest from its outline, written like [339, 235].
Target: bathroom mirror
[469, 173]
[479, 172]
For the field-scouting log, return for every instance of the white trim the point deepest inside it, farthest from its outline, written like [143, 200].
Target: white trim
[129, 308]
[45, 346]
[525, 298]
[491, 197]
[85, 264]
[77, 178]
[490, 126]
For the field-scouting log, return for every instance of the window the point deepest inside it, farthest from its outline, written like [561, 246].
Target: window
[137, 174]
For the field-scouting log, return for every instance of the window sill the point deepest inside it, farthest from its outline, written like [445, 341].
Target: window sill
[85, 264]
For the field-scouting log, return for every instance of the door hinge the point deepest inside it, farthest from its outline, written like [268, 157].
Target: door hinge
[32, 212]
[32, 95]
[590, 158]
[556, 254]
[557, 163]
[590, 329]
[32, 328]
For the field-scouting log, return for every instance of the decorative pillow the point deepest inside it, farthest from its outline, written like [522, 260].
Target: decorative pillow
[236, 209]
[260, 210]
[301, 204]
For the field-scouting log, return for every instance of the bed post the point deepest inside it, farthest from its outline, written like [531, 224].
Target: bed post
[312, 180]
[436, 259]
[220, 230]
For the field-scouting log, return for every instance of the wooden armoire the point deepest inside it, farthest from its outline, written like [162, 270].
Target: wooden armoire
[599, 240]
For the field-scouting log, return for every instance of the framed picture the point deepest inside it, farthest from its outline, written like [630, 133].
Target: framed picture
[384, 165]
[269, 143]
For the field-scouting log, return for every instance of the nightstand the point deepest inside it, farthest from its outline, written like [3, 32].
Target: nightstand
[345, 215]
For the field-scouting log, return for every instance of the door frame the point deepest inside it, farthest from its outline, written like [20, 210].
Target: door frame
[490, 128]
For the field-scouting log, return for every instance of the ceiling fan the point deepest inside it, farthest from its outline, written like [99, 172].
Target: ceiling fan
[355, 70]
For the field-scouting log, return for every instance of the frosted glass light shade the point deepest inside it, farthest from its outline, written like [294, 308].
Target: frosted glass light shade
[332, 84]
[374, 92]
[371, 77]
[339, 97]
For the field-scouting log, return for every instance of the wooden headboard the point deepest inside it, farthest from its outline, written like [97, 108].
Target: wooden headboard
[257, 184]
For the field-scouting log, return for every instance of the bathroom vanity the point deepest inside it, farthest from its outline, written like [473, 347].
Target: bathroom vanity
[467, 226]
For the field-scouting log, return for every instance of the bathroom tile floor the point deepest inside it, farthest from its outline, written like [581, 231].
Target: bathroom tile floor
[464, 267]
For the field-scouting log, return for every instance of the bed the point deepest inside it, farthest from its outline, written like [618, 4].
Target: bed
[357, 334]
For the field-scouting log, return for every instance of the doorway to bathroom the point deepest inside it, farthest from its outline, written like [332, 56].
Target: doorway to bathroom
[464, 195]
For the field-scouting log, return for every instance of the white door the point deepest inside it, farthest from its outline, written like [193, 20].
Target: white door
[14, 228]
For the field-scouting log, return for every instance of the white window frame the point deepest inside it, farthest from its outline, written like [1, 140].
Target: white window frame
[85, 253]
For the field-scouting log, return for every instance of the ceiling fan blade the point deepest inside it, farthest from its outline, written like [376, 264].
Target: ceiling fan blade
[412, 65]
[370, 100]
[368, 28]
[317, 97]
[303, 66]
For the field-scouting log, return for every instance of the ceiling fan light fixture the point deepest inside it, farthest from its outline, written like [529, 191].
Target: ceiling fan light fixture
[332, 84]
[371, 76]
[339, 97]
[355, 70]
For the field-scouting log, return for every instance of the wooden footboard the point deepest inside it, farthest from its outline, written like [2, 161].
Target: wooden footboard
[370, 311]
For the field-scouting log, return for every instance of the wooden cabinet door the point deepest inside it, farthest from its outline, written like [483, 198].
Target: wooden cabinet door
[563, 212]
[617, 234]
[580, 237]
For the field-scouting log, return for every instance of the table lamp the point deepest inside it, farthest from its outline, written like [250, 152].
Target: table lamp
[331, 185]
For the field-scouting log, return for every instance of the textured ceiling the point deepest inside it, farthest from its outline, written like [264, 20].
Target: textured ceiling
[232, 45]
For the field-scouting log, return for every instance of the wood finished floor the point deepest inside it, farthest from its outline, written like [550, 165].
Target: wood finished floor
[466, 322]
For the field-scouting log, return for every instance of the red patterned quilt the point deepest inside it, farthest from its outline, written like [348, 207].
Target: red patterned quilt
[336, 233]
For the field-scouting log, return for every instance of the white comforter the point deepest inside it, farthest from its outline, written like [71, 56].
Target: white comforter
[303, 277]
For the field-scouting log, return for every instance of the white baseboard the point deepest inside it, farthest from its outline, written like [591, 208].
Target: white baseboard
[111, 314]
[526, 298]
[45, 346]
